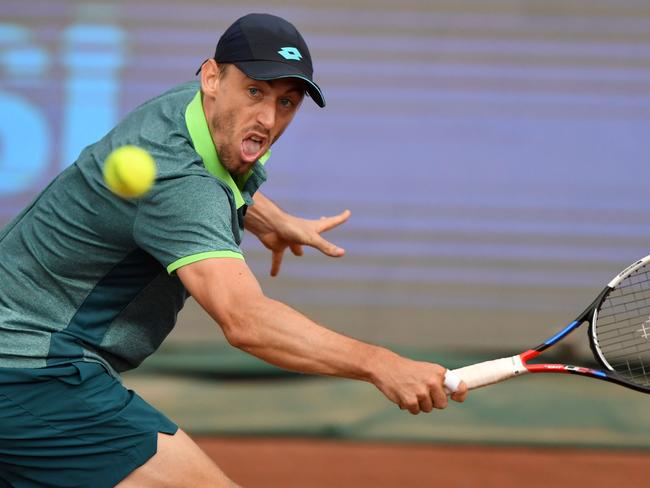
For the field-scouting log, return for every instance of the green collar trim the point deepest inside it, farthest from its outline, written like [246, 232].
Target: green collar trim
[202, 140]
[265, 157]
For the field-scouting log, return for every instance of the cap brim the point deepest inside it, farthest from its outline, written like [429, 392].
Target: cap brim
[273, 70]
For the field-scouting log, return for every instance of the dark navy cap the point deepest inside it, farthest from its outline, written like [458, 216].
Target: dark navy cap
[267, 47]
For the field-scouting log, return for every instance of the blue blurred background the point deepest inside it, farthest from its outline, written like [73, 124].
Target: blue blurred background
[493, 152]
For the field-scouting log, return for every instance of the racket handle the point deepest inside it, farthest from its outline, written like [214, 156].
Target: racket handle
[452, 382]
[489, 372]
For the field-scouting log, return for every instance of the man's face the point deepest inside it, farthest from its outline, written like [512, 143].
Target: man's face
[247, 116]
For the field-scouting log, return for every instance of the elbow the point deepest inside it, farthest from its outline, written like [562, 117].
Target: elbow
[237, 337]
[243, 326]
[239, 333]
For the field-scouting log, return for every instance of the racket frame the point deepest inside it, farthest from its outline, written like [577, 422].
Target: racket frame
[588, 315]
[477, 375]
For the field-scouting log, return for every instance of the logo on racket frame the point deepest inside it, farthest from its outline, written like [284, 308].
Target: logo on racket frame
[645, 329]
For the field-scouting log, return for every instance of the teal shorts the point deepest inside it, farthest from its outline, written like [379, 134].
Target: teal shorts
[73, 426]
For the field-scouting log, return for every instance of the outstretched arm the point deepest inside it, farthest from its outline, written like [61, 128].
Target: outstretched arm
[276, 333]
[278, 230]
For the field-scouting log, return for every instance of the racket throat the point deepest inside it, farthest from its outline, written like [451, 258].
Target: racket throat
[531, 353]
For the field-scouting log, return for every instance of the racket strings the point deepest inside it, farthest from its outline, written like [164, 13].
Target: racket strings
[622, 329]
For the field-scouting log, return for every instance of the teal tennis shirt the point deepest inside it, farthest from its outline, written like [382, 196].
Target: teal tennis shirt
[87, 275]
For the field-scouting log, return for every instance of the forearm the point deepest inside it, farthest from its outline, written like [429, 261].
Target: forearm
[263, 215]
[280, 335]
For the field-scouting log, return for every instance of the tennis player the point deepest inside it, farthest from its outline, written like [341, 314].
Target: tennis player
[92, 283]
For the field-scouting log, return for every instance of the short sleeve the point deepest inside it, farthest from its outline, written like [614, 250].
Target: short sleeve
[186, 219]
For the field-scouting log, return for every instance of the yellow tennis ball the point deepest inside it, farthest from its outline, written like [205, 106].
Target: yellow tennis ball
[129, 171]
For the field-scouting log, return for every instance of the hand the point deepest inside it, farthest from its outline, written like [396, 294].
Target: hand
[294, 233]
[415, 386]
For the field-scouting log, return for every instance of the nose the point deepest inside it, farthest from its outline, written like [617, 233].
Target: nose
[267, 113]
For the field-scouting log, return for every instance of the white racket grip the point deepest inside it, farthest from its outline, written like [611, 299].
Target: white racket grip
[490, 372]
[452, 381]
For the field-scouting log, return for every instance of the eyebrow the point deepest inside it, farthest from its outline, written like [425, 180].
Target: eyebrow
[295, 90]
[298, 87]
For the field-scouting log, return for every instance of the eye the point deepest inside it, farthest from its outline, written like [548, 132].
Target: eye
[286, 102]
[254, 91]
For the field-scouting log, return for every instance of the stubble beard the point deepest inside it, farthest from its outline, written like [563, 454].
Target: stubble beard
[225, 127]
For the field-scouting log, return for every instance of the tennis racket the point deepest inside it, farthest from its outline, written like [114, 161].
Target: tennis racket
[619, 336]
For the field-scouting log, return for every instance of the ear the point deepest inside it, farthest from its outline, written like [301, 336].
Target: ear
[210, 78]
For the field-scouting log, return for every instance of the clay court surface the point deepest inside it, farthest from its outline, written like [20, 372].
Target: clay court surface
[319, 432]
[293, 463]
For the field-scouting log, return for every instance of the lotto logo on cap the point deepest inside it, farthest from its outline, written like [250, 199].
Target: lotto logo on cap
[290, 53]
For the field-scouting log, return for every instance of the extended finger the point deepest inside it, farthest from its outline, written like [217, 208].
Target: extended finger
[276, 262]
[326, 247]
[326, 223]
[296, 249]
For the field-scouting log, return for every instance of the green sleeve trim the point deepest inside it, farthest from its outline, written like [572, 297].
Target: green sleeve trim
[197, 126]
[200, 257]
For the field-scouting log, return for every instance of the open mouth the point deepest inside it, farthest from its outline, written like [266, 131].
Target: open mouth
[253, 147]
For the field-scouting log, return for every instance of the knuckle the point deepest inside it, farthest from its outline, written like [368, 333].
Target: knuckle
[432, 383]
[441, 405]
[411, 404]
